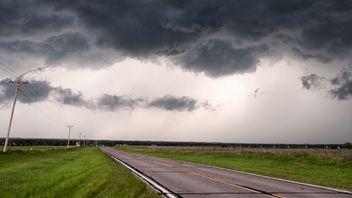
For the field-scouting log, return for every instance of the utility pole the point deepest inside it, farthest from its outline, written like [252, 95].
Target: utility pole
[80, 139]
[69, 133]
[17, 82]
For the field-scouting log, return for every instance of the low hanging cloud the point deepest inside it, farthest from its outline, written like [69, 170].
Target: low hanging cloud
[312, 81]
[39, 94]
[68, 97]
[172, 103]
[39, 91]
[343, 85]
[113, 102]
[340, 86]
[257, 93]
[217, 38]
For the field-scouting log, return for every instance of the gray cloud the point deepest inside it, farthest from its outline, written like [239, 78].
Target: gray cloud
[340, 86]
[168, 102]
[68, 97]
[36, 91]
[68, 44]
[343, 85]
[257, 93]
[39, 91]
[114, 102]
[162, 26]
[304, 55]
[312, 81]
[172, 103]
[219, 58]
[188, 31]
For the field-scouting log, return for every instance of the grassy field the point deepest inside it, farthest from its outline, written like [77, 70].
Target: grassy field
[57, 172]
[318, 166]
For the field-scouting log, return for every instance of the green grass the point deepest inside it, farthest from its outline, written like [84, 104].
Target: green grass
[57, 172]
[331, 168]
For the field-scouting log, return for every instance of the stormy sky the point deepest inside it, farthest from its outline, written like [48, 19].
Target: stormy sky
[222, 71]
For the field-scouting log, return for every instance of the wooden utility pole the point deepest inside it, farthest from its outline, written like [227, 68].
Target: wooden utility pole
[18, 82]
[69, 134]
[79, 141]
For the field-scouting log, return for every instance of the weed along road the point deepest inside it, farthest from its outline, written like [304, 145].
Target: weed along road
[185, 179]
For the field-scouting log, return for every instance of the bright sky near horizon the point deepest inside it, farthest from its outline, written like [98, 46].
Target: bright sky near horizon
[218, 71]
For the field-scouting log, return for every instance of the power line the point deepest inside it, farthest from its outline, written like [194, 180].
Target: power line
[46, 114]
[47, 107]
[8, 72]
[2, 76]
[32, 92]
[8, 69]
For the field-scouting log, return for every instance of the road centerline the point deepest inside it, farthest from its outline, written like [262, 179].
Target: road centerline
[214, 178]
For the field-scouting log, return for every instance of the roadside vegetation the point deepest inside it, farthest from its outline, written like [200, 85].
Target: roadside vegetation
[332, 168]
[57, 172]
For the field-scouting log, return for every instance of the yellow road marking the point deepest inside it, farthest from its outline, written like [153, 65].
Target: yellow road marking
[217, 179]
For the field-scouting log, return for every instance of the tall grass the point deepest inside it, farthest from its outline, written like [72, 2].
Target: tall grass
[57, 172]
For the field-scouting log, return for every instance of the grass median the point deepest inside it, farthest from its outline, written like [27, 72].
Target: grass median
[57, 172]
[332, 168]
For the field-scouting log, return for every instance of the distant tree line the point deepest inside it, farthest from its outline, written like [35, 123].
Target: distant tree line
[63, 142]
[347, 145]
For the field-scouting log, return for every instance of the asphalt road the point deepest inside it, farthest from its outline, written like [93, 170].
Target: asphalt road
[187, 179]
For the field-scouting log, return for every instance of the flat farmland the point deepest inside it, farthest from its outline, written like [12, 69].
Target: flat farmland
[326, 167]
[57, 172]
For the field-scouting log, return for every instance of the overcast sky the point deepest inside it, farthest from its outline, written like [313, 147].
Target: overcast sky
[245, 71]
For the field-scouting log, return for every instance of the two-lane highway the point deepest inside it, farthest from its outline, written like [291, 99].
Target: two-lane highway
[186, 179]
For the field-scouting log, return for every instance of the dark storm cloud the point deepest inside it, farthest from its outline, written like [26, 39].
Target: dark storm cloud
[137, 28]
[172, 103]
[303, 55]
[27, 18]
[219, 58]
[190, 32]
[54, 49]
[312, 81]
[343, 85]
[66, 45]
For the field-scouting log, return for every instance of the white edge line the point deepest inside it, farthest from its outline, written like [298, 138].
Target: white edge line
[268, 177]
[278, 179]
[163, 190]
